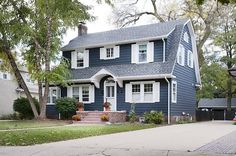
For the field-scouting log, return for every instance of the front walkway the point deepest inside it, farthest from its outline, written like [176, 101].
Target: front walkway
[167, 140]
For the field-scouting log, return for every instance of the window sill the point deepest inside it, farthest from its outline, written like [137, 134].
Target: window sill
[50, 103]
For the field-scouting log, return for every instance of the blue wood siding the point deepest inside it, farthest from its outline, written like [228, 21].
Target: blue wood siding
[186, 79]
[144, 107]
[158, 51]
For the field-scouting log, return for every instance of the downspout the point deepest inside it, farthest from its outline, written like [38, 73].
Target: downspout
[168, 109]
[164, 50]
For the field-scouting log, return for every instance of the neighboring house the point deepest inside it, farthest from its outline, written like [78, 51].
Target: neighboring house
[10, 90]
[154, 66]
[215, 104]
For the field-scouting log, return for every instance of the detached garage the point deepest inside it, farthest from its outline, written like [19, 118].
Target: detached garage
[217, 108]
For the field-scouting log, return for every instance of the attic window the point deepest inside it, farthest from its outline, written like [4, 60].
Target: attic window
[181, 55]
[186, 37]
[109, 52]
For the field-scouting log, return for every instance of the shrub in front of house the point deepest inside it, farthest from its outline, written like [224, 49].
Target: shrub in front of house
[153, 117]
[22, 106]
[132, 114]
[66, 107]
[14, 116]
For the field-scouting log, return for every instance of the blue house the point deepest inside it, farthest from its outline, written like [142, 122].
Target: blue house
[154, 66]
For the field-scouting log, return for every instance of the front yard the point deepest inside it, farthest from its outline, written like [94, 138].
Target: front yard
[40, 135]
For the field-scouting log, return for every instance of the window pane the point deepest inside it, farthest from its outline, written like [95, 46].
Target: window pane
[148, 88]
[80, 59]
[4, 76]
[85, 93]
[136, 88]
[109, 52]
[110, 91]
[76, 93]
[143, 53]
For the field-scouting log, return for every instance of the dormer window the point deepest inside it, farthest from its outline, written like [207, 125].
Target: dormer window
[80, 59]
[142, 53]
[109, 52]
[181, 55]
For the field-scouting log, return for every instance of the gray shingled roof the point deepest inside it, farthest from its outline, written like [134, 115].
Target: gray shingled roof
[215, 103]
[122, 35]
[154, 68]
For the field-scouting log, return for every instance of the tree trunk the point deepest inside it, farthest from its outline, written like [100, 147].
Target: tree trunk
[229, 93]
[20, 80]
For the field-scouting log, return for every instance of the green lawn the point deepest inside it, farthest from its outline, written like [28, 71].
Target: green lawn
[39, 136]
[19, 124]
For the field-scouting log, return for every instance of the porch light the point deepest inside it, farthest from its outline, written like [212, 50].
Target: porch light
[232, 72]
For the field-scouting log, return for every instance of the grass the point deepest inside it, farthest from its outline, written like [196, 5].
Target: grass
[39, 136]
[19, 124]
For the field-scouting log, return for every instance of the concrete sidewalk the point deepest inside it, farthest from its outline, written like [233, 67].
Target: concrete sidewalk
[168, 140]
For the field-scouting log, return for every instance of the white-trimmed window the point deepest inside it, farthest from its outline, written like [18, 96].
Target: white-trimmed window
[83, 93]
[186, 37]
[53, 94]
[190, 59]
[142, 92]
[80, 59]
[4, 75]
[174, 92]
[142, 53]
[109, 52]
[136, 96]
[180, 55]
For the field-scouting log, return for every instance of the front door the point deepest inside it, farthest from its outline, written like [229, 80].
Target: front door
[110, 93]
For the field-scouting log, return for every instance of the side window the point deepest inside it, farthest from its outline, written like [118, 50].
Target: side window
[180, 55]
[186, 37]
[190, 59]
[174, 92]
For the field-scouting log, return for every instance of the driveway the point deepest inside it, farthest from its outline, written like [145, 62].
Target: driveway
[168, 140]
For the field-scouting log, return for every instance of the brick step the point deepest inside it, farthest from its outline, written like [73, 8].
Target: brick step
[88, 122]
[91, 119]
[93, 115]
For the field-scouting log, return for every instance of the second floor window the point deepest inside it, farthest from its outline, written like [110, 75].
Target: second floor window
[80, 59]
[181, 55]
[109, 52]
[142, 53]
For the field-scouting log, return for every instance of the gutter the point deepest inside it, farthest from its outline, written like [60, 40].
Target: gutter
[168, 114]
[164, 50]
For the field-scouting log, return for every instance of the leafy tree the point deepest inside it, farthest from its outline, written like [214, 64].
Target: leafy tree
[226, 39]
[200, 2]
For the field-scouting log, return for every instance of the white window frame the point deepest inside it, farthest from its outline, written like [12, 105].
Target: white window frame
[142, 94]
[110, 50]
[81, 93]
[174, 99]
[103, 52]
[181, 53]
[58, 95]
[77, 52]
[140, 44]
[190, 59]
[186, 37]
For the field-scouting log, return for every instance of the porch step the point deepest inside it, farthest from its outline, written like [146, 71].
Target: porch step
[91, 117]
[89, 122]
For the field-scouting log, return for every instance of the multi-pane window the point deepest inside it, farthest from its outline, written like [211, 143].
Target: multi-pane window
[174, 91]
[142, 55]
[81, 93]
[109, 52]
[80, 59]
[85, 93]
[136, 92]
[53, 95]
[190, 59]
[110, 91]
[148, 92]
[75, 93]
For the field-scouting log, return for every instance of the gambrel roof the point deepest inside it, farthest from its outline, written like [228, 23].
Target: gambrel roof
[123, 35]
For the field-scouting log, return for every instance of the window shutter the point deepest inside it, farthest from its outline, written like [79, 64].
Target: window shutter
[150, 52]
[156, 92]
[73, 59]
[128, 92]
[91, 93]
[134, 53]
[117, 51]
[86, 58]
[69, 91]
[102, 53]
